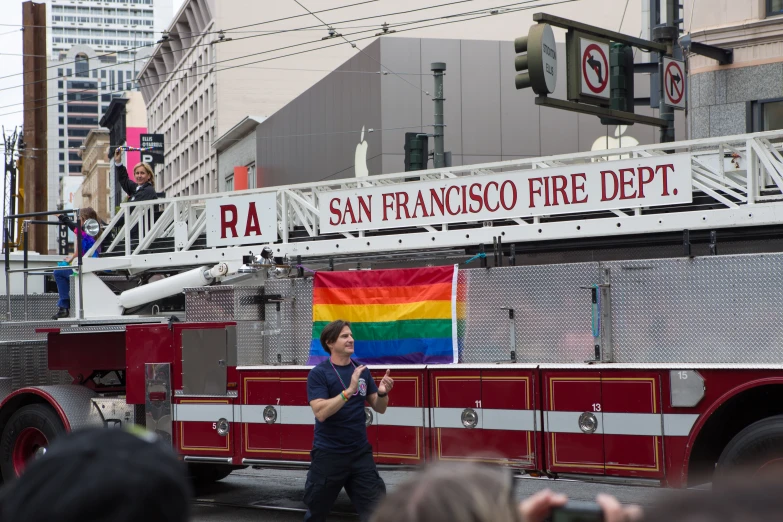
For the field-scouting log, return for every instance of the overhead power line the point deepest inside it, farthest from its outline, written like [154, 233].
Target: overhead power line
[399, 24]
[361, 50]
[492, 12]
[193, 35]
[271, 33]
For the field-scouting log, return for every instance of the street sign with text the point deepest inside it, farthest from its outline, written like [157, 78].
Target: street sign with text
[152, 149]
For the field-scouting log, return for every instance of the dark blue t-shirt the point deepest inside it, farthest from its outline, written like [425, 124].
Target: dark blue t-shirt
[345, 431]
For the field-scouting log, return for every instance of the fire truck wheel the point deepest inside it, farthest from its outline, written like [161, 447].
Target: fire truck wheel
[28, 433]
[757, 448]
[203, 474]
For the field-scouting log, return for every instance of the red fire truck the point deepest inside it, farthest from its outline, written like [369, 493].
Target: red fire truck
[620, 317]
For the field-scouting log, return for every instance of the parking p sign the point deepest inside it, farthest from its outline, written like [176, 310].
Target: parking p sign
[152, 149]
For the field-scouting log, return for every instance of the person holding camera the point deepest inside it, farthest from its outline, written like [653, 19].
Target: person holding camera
[62, 276]
[143, 189]
[472, 492]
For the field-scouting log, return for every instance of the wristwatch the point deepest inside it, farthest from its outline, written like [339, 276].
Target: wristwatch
[382, 394]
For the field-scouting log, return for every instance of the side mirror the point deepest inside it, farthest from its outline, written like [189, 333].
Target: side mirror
[92, 227]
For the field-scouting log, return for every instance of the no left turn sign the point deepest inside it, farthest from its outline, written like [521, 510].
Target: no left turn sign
[595, 68]
[674, 83]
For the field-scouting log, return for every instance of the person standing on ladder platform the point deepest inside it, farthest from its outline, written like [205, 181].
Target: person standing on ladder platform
[144, 187]
[341, 457]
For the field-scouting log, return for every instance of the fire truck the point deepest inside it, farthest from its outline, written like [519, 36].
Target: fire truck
[619, 317]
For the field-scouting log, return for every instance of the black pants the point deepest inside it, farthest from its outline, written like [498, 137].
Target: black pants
[330, 472]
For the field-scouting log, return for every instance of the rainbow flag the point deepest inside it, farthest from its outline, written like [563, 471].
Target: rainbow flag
[406, 316]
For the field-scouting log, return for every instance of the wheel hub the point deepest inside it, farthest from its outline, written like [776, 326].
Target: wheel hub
[30, 444]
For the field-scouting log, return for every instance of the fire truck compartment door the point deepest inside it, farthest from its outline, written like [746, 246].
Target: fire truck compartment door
[204, 361]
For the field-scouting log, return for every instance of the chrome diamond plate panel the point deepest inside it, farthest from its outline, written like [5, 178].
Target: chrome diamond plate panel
[245, 306]
[214, 303]
[722, 309]
[76, 403]
[250, 343]
[39, 307]
[289, 330]
[552, 313]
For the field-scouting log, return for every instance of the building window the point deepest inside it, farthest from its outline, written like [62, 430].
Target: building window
[774, 7]
[59, 72]
[62, 169]
[62, 156]
[60, 84]
[60, 109]
[765, 115]
[251, 176]
[62, 132]
[82, 66]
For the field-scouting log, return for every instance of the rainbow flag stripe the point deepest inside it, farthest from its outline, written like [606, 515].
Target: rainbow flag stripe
[406, 316]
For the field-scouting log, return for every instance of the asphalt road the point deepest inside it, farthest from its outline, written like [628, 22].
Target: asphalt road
[244, 495]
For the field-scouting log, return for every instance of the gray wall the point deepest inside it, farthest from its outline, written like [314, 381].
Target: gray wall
[238, 154]
[314, 137]
[718, 99]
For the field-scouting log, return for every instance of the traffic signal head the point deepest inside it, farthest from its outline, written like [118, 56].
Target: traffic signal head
[620, 81]
[536, 60]
[416, 152]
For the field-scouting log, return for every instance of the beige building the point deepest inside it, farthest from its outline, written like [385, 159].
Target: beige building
[200, 82]
[95, 188]
[747, 95]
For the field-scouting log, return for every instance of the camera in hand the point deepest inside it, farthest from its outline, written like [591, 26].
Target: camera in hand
[578, 511]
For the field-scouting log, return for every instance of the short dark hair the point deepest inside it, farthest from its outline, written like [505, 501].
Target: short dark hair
[331, 332]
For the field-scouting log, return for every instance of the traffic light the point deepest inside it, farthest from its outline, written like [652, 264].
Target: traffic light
[416, 151]
[620, 82]
[536, 60]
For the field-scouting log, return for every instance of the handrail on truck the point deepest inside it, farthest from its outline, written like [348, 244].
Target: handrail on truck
[8, 223]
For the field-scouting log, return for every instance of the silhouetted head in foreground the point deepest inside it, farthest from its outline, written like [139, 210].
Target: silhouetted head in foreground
[745, 498]
[100, 475]
[454, 493]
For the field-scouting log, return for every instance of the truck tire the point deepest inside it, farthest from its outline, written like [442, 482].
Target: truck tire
[203, 474]
[757, 448]
[27, 434]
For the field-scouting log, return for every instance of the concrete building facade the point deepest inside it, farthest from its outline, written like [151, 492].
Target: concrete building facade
[179, 88]
[321, 134]
[236, 149]
[747, 95]
[95, 190]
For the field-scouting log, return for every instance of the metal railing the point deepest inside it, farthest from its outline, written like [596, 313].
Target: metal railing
[731, 172]
[26, 270]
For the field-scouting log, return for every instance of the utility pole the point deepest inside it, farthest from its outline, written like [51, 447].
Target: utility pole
[667, 33]
[439, 158]
[36, 178]
[9, 179]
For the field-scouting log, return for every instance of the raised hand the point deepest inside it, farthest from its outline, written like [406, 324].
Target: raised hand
[387, 383]
[357, 373]
[118, 156]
